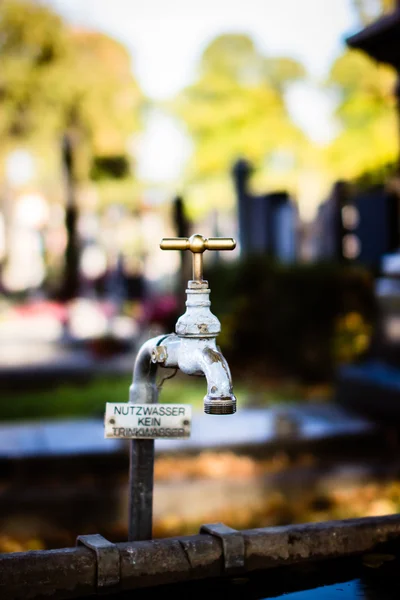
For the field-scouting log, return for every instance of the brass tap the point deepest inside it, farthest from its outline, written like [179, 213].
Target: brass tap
[197, 244]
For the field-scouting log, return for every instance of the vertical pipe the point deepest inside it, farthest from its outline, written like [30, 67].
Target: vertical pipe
[141, 452]
[141, 480]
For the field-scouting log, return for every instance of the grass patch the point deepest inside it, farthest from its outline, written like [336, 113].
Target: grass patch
[88, 400]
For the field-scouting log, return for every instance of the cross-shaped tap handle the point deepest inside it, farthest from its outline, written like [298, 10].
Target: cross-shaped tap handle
[197, 244]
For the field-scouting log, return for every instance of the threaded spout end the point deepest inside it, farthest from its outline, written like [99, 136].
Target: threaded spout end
[220, 406]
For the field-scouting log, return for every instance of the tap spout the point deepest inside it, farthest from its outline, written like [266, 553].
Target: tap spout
[220, 399]
[202, 357]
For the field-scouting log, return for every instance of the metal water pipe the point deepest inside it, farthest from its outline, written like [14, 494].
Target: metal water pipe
[193, 350]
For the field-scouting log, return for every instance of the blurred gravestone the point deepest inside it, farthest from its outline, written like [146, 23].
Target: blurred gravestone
[377, 225]
[330, 230]
[182, 229]
[359, 228]
[267, 222]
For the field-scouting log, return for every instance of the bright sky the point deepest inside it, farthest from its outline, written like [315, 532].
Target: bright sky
[167, 37]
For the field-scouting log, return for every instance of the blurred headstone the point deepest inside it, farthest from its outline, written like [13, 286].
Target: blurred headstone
[242, 171]
[330, 232]
[358, 228]
[377, 225]
[182, 228]
[267, 222]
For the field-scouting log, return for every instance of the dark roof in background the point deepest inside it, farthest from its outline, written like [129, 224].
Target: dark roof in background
[381, 39]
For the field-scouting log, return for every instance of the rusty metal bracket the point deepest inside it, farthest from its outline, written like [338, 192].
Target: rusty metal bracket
[232, 546]
[107, 558]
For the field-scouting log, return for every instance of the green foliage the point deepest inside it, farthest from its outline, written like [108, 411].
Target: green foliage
[367, 114]
[121, 192]
[236, 107]
[288, 319]
[378, 177]
[33, 55]
[105, 99]
[53, 78]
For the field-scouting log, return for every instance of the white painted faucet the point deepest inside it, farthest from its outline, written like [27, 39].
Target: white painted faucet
[193, 348]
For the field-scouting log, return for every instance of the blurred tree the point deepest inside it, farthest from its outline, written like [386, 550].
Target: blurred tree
[53, 79]
[33, 57]
[236, 107]
[59, 83]
[104, 100]
[366, 112]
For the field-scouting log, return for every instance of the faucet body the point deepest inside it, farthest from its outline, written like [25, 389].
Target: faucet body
[193, 350]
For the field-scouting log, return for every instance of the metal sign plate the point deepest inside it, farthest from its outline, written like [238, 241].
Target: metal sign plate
[147, 421]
